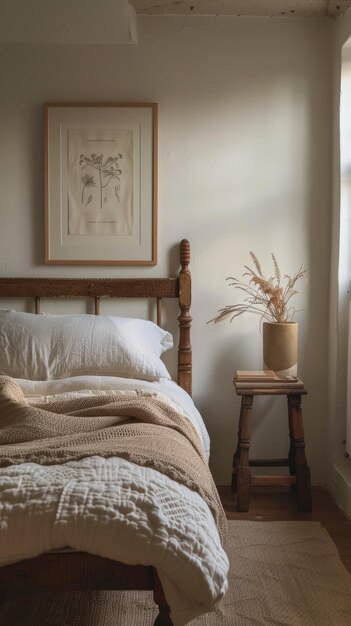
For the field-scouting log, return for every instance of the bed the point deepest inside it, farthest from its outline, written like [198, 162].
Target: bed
[181, 559]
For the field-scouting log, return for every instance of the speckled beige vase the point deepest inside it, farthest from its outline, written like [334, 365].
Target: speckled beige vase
[280, 347]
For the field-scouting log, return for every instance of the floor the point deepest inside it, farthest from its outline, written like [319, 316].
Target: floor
[270, 503]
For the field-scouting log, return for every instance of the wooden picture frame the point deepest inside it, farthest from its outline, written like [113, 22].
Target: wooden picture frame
[100, 184]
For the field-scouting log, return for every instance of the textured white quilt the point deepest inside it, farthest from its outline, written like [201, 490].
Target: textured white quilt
[116, 509]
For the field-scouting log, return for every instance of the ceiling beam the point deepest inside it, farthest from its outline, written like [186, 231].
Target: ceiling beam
[266, 8]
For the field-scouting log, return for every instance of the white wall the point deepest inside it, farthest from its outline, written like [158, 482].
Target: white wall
[244, 164]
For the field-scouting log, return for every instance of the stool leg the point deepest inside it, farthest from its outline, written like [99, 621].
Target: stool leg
[303, 477]
[243, 469]
[292, 451]
[237, 452]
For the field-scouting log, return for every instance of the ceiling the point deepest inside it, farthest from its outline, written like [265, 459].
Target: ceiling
[268, 8]
[115, 21]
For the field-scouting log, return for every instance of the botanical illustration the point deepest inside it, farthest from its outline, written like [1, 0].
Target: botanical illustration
[270, 298]
[100, 182]
[107, 170]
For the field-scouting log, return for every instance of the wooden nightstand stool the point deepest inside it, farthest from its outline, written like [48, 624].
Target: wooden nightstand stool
[299, 473]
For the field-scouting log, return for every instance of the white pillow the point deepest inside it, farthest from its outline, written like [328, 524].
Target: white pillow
[48, 347]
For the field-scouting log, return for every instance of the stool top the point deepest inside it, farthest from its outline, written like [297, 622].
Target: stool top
[281, 388]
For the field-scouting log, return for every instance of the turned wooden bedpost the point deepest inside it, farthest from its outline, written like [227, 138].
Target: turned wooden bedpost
[184, 350]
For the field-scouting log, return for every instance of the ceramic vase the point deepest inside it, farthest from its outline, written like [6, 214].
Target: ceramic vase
[280, 347]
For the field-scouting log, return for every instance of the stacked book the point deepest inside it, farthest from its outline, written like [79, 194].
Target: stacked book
[265, 379]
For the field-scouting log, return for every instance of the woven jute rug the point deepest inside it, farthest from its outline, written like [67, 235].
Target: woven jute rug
[282, 573]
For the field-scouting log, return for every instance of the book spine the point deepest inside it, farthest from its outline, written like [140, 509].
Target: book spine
[266, 385]
[257, 379]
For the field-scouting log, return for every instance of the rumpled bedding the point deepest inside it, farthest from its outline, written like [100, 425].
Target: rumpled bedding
[113, 508]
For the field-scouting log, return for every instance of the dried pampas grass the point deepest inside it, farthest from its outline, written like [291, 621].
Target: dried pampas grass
[267, 297]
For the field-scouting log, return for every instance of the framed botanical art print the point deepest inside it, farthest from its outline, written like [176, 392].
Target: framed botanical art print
[101, 184]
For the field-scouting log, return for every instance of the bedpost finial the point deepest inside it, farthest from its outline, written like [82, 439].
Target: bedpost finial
[184, 253]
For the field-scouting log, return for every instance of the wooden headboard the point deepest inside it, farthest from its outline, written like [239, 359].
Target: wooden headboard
[97, 288]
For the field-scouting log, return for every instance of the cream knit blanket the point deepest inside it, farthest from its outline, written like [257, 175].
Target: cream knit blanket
[142, 429]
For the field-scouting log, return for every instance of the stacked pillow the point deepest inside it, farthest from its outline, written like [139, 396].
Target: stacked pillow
[48, 347]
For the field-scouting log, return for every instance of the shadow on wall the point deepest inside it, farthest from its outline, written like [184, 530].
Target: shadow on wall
[313, 344]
